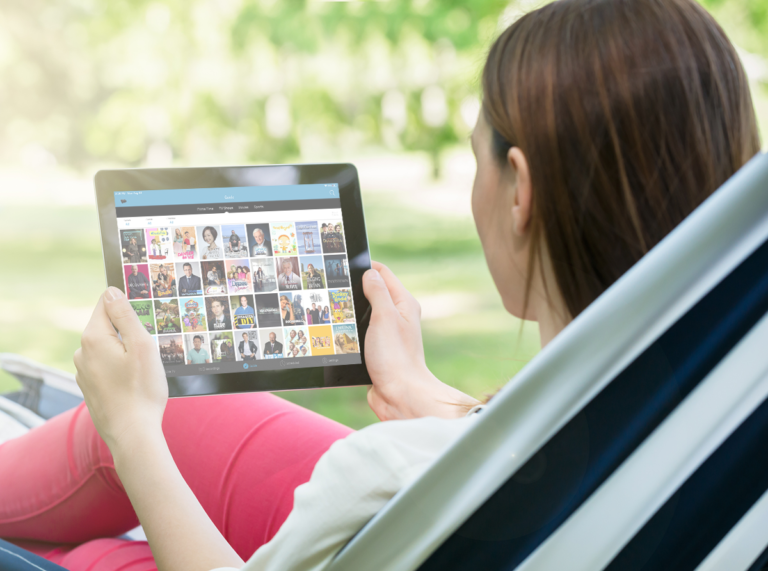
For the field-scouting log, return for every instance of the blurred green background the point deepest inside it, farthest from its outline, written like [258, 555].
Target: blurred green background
[391, 86]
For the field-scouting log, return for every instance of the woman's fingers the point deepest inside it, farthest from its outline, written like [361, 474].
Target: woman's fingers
[123, 317]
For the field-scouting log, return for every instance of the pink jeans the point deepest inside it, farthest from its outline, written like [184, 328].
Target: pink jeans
[243, 456]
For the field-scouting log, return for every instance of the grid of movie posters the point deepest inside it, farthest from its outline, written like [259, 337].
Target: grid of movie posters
[241, 292]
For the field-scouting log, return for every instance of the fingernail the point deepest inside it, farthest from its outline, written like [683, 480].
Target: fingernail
[373, 274]
[113, 293]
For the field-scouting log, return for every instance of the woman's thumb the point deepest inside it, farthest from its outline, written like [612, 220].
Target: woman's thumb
[122, 316]
[376, 291]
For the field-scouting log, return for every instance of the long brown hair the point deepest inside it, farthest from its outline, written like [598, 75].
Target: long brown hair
[630, 113]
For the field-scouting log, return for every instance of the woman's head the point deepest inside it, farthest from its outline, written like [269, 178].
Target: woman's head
[210, 234]
[604, 124]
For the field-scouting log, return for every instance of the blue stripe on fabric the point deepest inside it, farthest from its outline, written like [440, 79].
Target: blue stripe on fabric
[704, 509]
[545, 491]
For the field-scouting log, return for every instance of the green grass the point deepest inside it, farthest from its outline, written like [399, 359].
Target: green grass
[59, 275]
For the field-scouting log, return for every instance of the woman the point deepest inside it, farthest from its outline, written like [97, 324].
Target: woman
[286, 308]
[604, 124]
[314, 278]
[212, 252]
[134, 256]
[178, 242]
[326, 315]
[260, 279]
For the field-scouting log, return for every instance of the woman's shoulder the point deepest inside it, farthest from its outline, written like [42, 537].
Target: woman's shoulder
[413, 442]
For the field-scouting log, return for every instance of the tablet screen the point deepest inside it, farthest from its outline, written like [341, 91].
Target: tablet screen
[240, 278]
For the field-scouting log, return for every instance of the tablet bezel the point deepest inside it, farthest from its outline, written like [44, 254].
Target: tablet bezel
[108, 182]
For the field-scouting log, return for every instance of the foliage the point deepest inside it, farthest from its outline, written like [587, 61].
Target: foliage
[132, 82]
[86, 80]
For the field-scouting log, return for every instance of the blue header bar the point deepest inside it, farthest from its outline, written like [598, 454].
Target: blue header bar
[180, 196]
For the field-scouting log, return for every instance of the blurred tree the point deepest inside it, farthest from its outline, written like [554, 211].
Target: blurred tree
[151, 81]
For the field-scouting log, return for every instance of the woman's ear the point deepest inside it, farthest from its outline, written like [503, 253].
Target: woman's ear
[521, 208]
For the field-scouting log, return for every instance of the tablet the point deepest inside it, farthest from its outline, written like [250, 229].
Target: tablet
[248, 278]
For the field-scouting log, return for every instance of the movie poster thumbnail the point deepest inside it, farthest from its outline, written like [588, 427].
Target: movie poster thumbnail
[134, 246]
[291, 310]
[332, 237]
[197, 348]
[308, 238]
[163, 280]
[273, 343]
[337, 271]
[342, 310]
[218, 314]
[214, 277]
[247, 345]
[288, 274]
[137, 284]
[321, 340]
[235, 240]
[167, 318]
[193, 319]
[243, 311]
[264, 277]
[283, 238]
[144, 310]
[184, 243]
[239, 279]
[317, 307]
[159, 244]
[297, 342]
[171, 349]
[268, 310]
[190, 281]
[345, 339]
[209, 243]
[258, 240]
[312, 272]
[222, 347]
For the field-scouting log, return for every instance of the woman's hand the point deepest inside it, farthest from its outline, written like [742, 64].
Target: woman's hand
[123, 380]
[403, 386]
[126, 391]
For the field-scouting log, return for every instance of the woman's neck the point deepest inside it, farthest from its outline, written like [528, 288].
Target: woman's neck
[548, 305]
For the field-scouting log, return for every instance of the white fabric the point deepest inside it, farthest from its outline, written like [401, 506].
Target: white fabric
[349, 485]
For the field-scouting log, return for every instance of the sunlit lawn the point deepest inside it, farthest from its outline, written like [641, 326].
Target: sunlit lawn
[53, 273]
